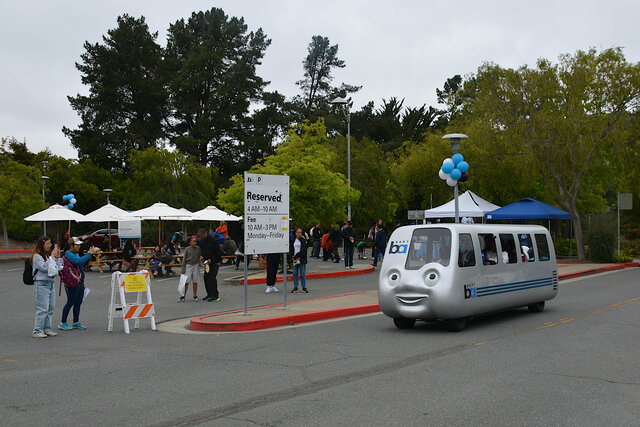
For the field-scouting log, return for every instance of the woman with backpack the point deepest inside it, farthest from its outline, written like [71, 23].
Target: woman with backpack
[75, 294]
[46, 264]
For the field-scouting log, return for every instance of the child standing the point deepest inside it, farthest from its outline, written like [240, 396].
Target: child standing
[191, 267]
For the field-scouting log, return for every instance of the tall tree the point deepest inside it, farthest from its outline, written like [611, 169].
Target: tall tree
[317, 91]
[568, 115]
[212, 62]
[167, 176]
[317, 193]
[127, 100]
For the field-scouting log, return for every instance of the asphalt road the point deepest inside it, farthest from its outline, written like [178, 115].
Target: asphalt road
[574, 364]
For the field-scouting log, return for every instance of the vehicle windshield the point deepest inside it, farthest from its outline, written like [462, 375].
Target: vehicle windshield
[429, 245]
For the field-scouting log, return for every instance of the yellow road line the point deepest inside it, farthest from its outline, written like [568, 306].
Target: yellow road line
[589, 313]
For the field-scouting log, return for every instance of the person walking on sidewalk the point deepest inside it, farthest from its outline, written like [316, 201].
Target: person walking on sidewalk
[336, 240]
[273, 260]
[75, 295]
[349, 236]
[212, 256]
[44, 261]
[191, 267]
[299, 261]
[316, 237]
[380, 244]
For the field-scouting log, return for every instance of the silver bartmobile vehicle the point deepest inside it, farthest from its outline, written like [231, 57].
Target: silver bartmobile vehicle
[453, 272]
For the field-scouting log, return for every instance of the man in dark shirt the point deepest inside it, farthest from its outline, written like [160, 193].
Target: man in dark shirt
[212, 256]
[336, 241]
[349, 238]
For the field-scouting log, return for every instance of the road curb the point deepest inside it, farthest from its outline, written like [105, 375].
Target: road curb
[598, 270]
[200, 324]
[279, 279]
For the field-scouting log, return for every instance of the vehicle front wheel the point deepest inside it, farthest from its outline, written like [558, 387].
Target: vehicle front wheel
[404, 323]
[455, 325]
[537, 307]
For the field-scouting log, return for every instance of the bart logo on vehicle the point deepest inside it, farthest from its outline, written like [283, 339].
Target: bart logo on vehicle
[469, 292]
[397, 249]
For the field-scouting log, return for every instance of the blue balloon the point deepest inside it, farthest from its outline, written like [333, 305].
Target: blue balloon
[66, 197]
[463, 166]
[70, 206]
[457, 158]
[456, 174]
[71, 196]
[447, 168]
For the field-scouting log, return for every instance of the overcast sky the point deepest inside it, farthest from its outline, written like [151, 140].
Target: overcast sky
[399, 48]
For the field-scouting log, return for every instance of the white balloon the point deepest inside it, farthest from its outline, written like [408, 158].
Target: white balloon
[451, 182]
[447, 160]
[73, 201]
[443, 175]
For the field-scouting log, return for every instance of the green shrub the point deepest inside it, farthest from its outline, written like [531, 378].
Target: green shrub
[565, 247]
[623, 257]
[602, 245]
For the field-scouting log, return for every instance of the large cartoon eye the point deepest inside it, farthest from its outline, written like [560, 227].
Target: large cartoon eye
[394, 277]
[431, 277]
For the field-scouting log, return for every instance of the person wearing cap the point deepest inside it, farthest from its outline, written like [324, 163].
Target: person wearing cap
[75, 295]
[349, 237]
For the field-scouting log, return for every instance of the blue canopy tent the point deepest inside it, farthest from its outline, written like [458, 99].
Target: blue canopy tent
[528, 209]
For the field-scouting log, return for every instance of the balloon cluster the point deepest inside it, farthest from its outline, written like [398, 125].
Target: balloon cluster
[69, 200]
[454, 169]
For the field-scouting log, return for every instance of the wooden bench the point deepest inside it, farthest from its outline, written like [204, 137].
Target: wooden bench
[97, 260]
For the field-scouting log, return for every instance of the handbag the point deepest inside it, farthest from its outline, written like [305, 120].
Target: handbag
[296, 262]
[181, 284]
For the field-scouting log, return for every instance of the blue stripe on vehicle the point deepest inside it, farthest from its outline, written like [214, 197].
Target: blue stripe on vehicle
[517, 283]
[513, 286]
[512, 290]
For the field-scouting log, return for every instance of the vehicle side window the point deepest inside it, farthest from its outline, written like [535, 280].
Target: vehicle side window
[466, 254]
[488, 249]
[543, 247]
[526, 246]
[508, 243]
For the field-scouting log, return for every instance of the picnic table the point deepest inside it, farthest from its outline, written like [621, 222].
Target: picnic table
[100, 258]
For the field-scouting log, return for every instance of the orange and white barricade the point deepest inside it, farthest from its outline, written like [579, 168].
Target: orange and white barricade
[124, 283]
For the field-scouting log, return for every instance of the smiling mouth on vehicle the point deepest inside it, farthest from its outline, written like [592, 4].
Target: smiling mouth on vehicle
[411, 299]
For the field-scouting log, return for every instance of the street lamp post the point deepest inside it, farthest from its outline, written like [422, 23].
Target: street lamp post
[347, 115]
[108, 191]
[455, 138]
[44, 179]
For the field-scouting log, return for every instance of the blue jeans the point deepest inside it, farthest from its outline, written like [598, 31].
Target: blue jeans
[74, 299]
[45, 292]
[378, 254]
[155, 265]
[348, 256]
[302, 270]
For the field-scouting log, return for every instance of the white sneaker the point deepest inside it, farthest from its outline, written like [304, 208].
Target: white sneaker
[51, 333]
[275, 289]
[268, 290]
[39, 335]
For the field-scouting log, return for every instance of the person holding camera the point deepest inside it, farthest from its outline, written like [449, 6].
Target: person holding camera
[75, 295]
[44, 261]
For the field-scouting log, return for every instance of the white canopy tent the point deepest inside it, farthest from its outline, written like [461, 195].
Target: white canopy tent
[106, 213]
[470, 204]
[159, 212]
[212, 213]
[56, 213]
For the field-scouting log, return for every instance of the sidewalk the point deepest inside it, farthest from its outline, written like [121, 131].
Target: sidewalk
[335, 306]
[318, 271]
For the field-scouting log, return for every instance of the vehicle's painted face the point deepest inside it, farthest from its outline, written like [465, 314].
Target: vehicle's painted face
[414, 262]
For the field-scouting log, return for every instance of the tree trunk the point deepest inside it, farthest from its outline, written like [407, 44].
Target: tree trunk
[577, 230]
[4, 232]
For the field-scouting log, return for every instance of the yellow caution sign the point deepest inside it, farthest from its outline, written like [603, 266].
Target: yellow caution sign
[135, 283]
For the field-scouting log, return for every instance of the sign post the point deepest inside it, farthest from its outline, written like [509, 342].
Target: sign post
[266, 218]
[625, 202]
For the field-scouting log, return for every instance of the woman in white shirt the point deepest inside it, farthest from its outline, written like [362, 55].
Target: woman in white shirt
[46, 264]
[299, 261]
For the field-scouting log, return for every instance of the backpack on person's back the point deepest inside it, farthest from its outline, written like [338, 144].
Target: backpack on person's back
[28, 275]
[70, 274]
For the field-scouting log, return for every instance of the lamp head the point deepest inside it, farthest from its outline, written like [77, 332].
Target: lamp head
[455, 138]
